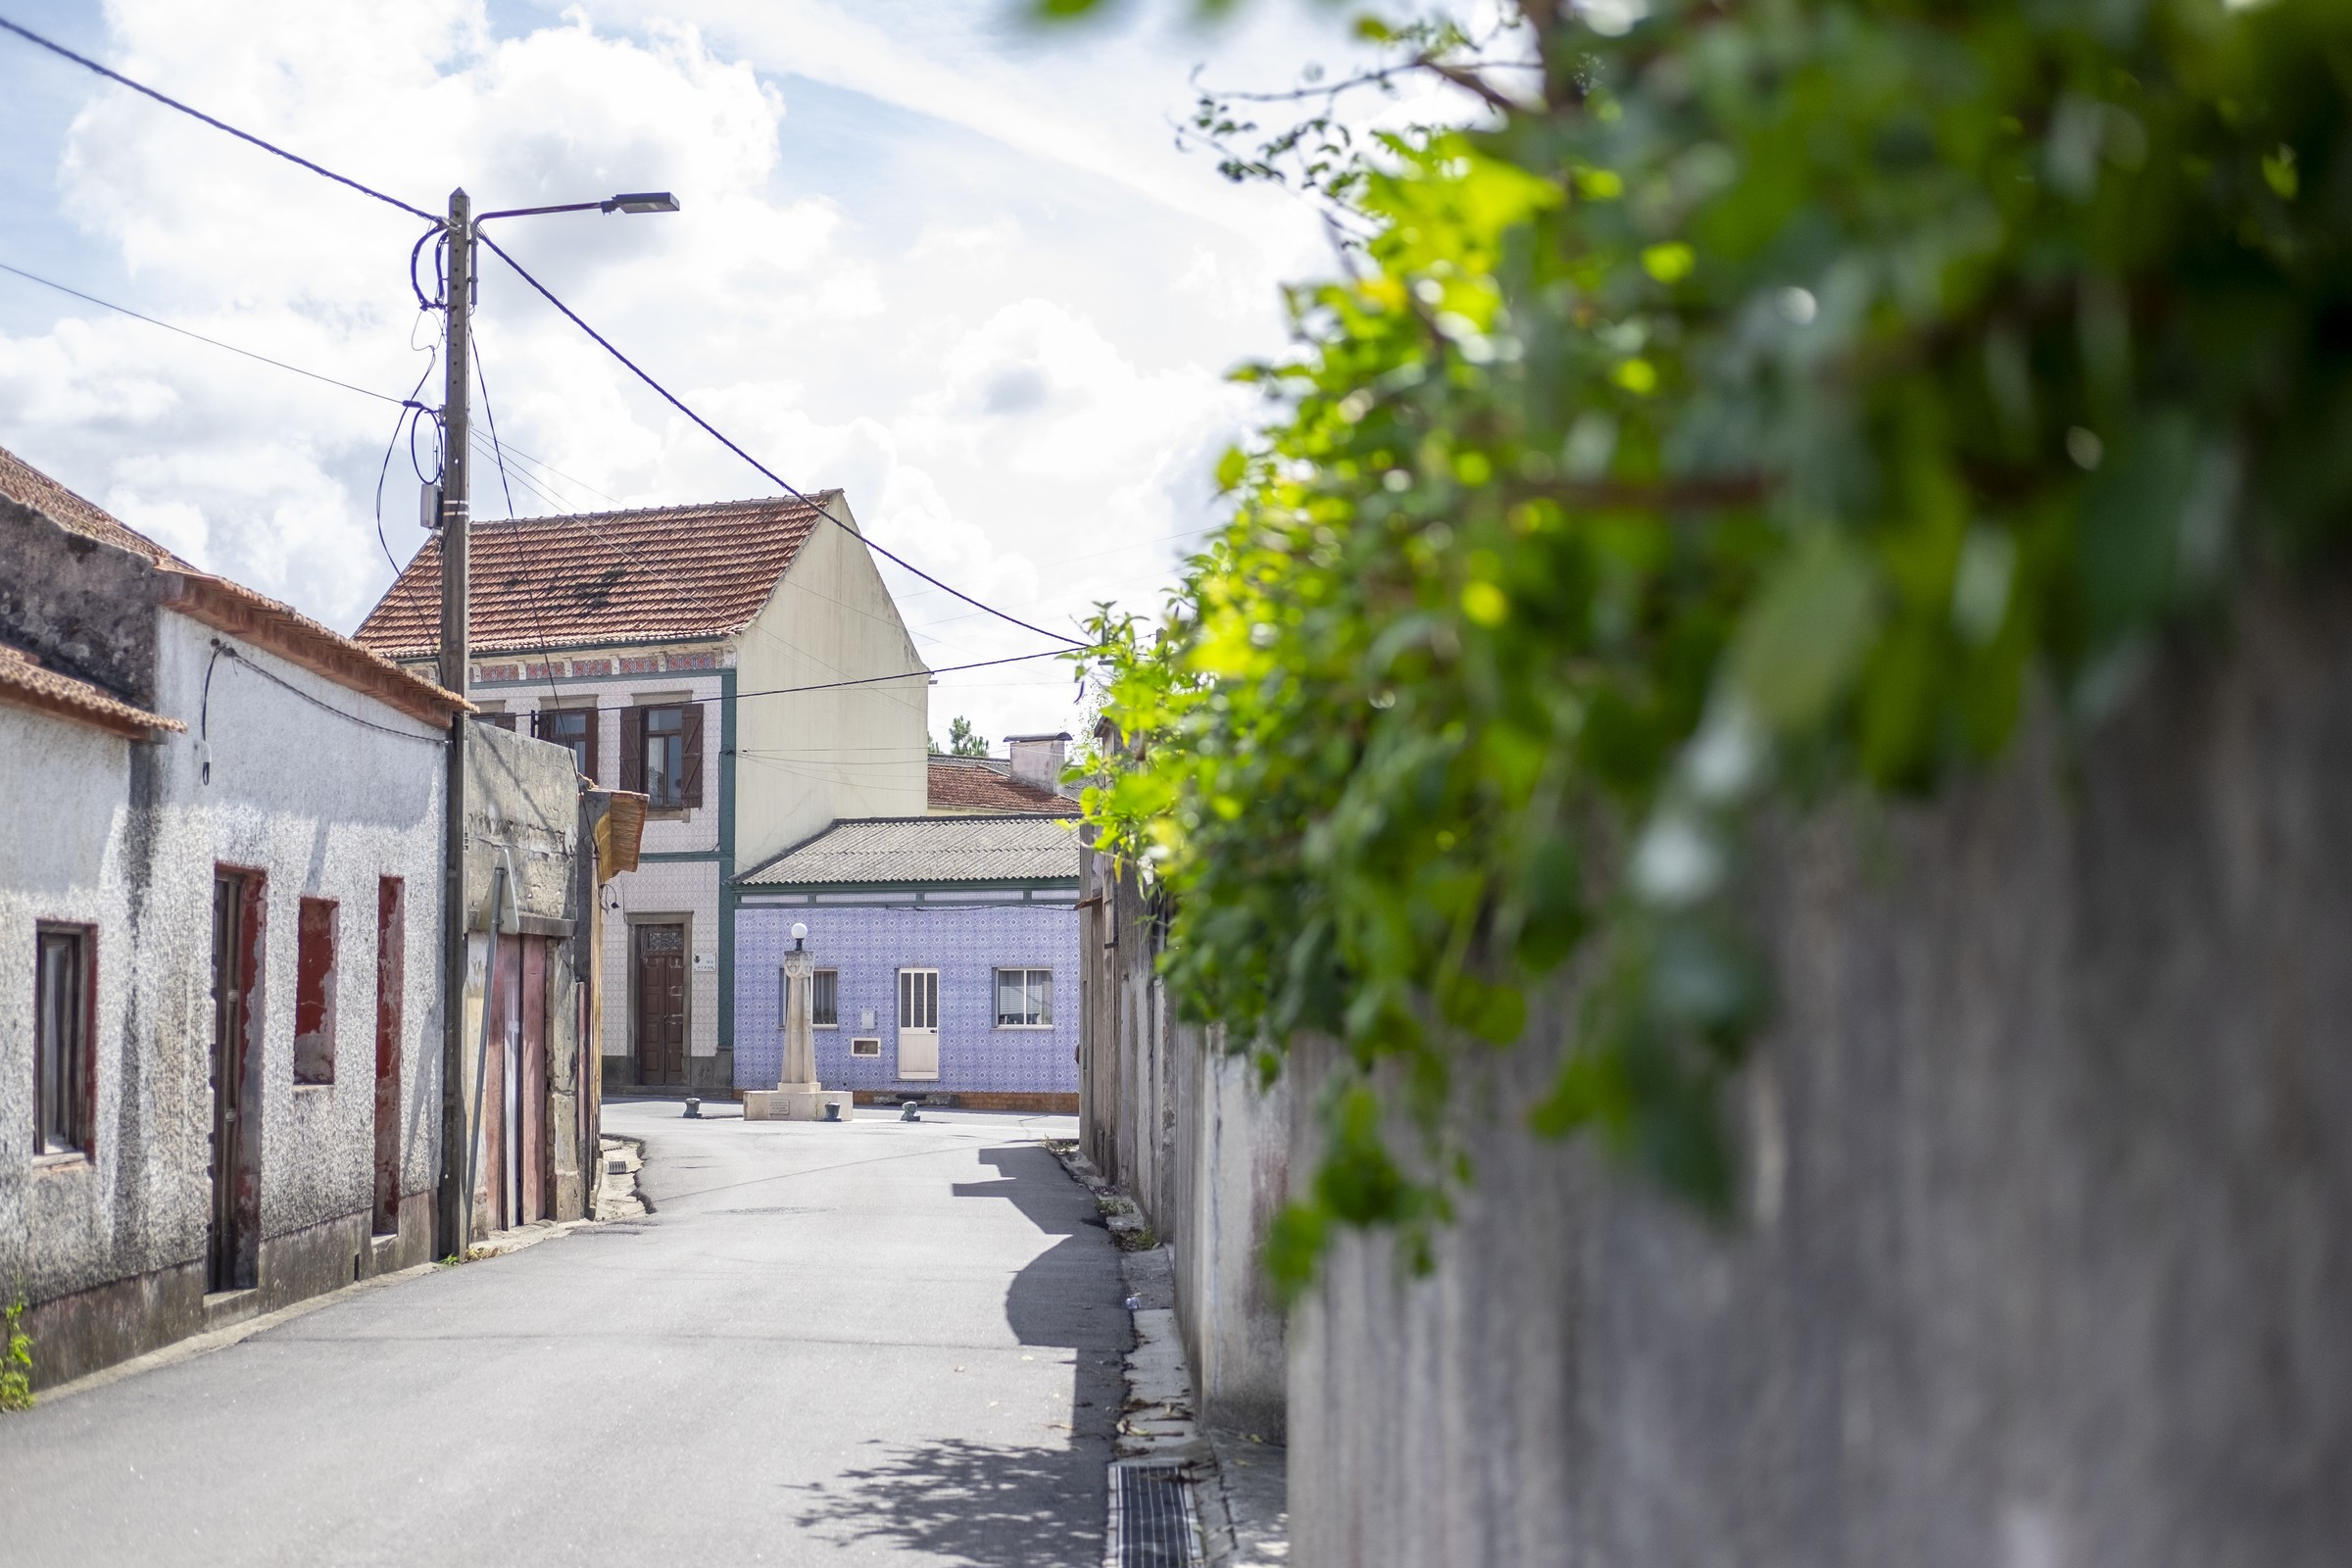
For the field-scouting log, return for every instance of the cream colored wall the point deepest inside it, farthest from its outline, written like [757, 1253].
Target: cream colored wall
[859, 751]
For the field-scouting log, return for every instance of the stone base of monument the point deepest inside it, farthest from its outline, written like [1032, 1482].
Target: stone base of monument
[795, 1102]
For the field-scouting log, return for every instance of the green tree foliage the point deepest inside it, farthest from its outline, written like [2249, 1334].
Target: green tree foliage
[1759, 401]
[962, 740]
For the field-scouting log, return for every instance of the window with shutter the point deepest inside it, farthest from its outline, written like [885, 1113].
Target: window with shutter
[632, 749]
[690, 758]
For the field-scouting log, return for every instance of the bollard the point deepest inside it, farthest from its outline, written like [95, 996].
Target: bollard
[910, 1111]
[693, 1109]
[832, 1110]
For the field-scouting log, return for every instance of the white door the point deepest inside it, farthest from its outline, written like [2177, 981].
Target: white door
[918, 1023]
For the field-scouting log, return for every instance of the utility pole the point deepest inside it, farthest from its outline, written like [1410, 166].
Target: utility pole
[457, 1131]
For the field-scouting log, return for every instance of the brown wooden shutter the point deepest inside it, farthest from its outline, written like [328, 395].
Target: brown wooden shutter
[632, 749]
[690, 788]
[596, 745]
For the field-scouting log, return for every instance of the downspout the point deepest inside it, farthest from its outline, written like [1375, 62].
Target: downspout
[726, 868]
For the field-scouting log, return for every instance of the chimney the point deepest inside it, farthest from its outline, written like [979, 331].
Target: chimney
[1037, 760]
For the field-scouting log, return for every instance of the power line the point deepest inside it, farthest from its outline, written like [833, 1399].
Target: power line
[124, 310]
[675, 402]
[836, 685]
[87, 63]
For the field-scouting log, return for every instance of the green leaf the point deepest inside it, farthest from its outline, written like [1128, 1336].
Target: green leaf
[1802, 641]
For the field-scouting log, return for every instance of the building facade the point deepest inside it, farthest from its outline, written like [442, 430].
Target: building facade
[947, 954]
[220, 924]
[743, 666]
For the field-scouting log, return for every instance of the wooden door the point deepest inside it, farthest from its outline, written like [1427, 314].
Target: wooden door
[918, 1024]
[661, 992]
[531, 1146]
[233, 1242]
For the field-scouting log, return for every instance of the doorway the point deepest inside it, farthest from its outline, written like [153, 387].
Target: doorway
[918, 1023]
[391, 978]
[233, 1242]
[660, 991]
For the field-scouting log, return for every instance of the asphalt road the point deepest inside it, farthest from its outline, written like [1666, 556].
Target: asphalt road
[872, 1343]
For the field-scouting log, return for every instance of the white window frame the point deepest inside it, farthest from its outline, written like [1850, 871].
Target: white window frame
[1028, 972]
[815, 988]
[867, 1046]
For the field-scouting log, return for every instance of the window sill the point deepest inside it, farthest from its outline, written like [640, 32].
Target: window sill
[1024, 1028]
[304, 1089]
[66, 1159]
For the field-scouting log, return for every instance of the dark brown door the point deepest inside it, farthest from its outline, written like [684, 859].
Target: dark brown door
[391, 939]
[661, 1004]
[231, 1245]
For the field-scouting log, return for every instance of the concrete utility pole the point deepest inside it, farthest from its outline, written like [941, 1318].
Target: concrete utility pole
[456, 1128]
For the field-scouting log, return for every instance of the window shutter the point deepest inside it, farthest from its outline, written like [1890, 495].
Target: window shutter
[690, 743]
[596, 745]
[632, 749]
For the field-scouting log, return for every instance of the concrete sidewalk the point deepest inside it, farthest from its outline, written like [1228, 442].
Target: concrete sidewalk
[881, 1342]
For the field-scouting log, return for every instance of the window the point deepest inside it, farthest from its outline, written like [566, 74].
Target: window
[497, 720]
[315, 994]
[61, 1056]
[918, 999]
[825, 999]
[666, 755]
[573, 728]
[1024, 998]
[866, 1046]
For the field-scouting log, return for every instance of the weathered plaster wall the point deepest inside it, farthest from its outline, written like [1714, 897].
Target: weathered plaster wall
[322, 807]
[1183, 1126]
[2045, 1245]
[87, 610]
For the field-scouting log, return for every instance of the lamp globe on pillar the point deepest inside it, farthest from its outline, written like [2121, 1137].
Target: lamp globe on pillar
[799, 1075]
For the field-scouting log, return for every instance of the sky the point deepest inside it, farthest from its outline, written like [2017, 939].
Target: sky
[928, 254]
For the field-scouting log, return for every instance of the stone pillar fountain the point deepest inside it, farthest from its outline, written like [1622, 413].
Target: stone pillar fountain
[797, 1095]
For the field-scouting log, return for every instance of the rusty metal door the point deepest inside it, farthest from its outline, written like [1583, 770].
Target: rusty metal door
[661, 1004]
[532, 1145]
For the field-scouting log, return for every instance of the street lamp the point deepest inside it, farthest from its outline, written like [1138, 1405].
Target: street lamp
[457, 1129]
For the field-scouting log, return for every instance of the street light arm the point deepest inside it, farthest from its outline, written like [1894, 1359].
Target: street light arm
[629, 201]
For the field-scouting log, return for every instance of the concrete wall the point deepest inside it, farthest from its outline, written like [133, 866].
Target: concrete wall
[1170, 1116]
[854, 750]
[868, 946]
[110, 1250]
[2046, 1244]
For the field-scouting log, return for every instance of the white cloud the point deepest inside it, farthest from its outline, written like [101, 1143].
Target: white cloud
[952, 268]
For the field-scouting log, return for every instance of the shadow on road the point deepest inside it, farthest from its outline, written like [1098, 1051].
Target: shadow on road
[973, 1503]
[1069, 1296]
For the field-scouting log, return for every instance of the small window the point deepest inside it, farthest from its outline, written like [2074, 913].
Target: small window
[865, 1046]
[315, 994]
[825, 999]
[1024, 998]
[573, 728]
[61, 1058]
[665, 757]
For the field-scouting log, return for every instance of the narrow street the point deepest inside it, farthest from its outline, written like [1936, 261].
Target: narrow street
[880, 1343]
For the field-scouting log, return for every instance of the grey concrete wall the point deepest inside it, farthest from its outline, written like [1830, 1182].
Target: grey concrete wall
[2044, 1257]
[1167, 1113]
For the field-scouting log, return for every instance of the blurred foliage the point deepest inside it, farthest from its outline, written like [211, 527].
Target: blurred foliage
[1757, 400]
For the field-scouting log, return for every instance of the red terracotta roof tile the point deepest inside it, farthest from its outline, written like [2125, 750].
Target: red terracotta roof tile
[24, 683]
[973, 784]
[604, 577]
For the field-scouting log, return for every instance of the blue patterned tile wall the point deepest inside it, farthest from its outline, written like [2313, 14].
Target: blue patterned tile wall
[967, 944]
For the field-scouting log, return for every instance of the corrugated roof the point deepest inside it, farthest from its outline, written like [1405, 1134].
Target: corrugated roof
[604, 577]
[927, 851]
[24, 683]
[979, 784]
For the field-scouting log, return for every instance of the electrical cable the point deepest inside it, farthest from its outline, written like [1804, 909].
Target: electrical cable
[408, 416]
[87, 63]
[675, 402]
[29, 36]
[530, 597]
[224, 650]
[124, 310]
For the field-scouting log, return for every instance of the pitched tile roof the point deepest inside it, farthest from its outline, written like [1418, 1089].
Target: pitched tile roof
[979, 784]
[643, 575]
[232, 607]
[24, 683]
[901, 851]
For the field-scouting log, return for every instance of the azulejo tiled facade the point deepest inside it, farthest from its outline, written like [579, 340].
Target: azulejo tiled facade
[867, 945]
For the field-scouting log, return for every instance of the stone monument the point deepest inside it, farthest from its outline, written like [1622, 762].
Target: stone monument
[797, 1095]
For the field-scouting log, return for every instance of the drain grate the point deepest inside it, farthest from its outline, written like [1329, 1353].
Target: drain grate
[1152, 1524]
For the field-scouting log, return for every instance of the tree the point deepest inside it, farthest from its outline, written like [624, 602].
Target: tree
[961, 740]
[1755, 401]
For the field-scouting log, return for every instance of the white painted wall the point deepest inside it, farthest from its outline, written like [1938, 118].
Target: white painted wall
[857, 750]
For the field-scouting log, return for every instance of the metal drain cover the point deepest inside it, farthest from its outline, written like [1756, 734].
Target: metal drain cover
[1152, 1521]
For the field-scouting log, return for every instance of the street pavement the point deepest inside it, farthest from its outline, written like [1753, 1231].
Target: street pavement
[878, 1343]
